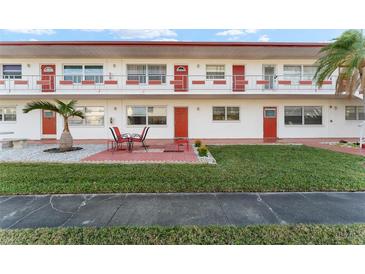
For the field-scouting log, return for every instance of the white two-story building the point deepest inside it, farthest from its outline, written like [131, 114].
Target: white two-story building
[179, 89]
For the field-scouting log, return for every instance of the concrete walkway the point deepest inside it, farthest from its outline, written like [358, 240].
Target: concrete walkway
[181, 209]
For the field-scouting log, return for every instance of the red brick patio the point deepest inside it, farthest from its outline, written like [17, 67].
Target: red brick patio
[154, 154]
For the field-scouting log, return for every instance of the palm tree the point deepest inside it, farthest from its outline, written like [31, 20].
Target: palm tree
[66, 110]
[346, 53]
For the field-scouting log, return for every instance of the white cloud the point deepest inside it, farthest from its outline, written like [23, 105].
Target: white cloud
[33, 39]
[33, 31]
[264, 38]
[236, 32]
[148, 34]
[230, 32]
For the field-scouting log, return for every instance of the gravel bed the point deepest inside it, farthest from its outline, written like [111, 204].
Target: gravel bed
[35, 153]
[209, 159]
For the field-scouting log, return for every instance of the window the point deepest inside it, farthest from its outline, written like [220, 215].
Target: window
[226, 113]
[219, 113]
[309, 72]
[233, 113]
[298, 115]
[312, 115]
[12, 71]
[293, 115]
[157, 72]
[355, 113]
[137, 72]
[269, 112]
[136, 115]
[144, 73]
[215, 72]
[157, 115]
[295, 73]
[292, 73]
[73, 73]
[269, 75]
[146, 115]
[7, 114]
[77, 73]
[94, 73]
[94, 116]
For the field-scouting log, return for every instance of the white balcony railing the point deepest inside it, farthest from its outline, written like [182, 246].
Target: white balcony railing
[162, 83]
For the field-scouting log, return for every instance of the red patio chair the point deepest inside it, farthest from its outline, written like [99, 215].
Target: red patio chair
[118, 137]
[140, 138]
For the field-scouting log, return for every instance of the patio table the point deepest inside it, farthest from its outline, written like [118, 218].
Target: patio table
[111, 144]
[130, 141]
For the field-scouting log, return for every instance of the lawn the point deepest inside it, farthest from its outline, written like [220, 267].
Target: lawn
[268, 234]
[240, 168]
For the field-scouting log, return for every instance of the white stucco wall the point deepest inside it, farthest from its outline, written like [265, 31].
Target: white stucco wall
[117, 69]
[200, 119]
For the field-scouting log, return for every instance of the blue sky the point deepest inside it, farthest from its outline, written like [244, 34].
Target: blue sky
[249, 35]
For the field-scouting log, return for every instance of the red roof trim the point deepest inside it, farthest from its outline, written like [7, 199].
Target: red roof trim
[162, 43]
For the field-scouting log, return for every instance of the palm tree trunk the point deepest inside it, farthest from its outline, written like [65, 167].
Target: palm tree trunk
[66, 140]
[362, 79]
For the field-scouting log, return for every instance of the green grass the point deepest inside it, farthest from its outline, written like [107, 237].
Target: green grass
[270, 234]
[239, 168]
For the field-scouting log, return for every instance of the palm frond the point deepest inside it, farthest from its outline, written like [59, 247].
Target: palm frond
[67, 108]
[346, 53]
[64, 109]
[43, 105]
[78, 113]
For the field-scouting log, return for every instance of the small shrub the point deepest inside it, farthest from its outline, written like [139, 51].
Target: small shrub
[203, 151]
[198, 143]
[342, 142]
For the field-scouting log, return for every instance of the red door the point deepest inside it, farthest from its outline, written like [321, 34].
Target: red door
[48, 77]
[181, 77]
[48, 123]
[181, 122]
[238, 72]
[270, 123]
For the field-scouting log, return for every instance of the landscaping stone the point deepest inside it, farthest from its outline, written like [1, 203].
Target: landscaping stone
[35, 153]
[209, 159]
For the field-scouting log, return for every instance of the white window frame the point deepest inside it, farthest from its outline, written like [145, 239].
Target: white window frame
[225, 114]
[356, 113]
[83, 72]
[272, 81]
[10, 64]
[3, 117]
[301, 76]
[146, 109]
[84, 120]
[146, 75]
[303, 117]
[212, 79]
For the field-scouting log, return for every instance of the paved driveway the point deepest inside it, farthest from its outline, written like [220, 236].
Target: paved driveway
[181, 209]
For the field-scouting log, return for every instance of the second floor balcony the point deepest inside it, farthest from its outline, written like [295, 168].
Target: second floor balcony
[164, 84]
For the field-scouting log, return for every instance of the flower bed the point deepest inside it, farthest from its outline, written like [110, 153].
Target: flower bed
[343, 143]
[203, 154]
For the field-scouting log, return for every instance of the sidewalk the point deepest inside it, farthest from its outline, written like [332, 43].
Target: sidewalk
[172, 209]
